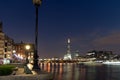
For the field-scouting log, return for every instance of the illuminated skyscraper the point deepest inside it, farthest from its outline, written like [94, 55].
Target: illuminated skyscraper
[67, 56]
[68, 47]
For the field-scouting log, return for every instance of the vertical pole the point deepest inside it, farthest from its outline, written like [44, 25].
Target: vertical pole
[27, 61]
[35, 65]
[36, 31]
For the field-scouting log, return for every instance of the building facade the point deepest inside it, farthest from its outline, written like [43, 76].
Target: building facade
[14, 52]
[6, 45]
[20, 52]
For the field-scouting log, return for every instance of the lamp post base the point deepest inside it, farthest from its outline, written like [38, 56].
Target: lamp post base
[36, 66]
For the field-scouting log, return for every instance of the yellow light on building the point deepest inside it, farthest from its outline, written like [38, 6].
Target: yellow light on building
[27, 47]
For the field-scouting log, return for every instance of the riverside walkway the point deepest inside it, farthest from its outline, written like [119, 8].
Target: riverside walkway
[20, 75]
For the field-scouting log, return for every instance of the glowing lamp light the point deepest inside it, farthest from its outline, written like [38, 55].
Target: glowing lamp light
[37, 2]
[14, 51]
[27, 47]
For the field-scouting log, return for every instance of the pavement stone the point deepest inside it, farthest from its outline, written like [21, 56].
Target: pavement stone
[20, 75]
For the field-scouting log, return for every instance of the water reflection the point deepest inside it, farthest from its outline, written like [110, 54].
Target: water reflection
[73, 71]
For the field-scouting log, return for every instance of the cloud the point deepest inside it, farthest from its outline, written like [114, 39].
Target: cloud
[110, 39]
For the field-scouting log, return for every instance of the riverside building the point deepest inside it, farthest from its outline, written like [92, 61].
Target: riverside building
[6, 45]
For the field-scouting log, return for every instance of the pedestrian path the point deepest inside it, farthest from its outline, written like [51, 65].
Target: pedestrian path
[20, 71]
[20, 75]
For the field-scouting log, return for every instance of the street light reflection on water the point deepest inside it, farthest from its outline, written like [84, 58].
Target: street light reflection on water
[73, 71]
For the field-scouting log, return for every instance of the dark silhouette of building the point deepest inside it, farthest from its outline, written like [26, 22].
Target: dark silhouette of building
[100, 54]
[0, 26]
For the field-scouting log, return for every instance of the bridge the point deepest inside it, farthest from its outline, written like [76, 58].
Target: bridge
[57, 60]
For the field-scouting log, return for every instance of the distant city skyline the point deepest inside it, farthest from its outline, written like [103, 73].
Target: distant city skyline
[90, 25]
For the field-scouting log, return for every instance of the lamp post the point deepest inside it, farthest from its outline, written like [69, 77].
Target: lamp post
[36, 3]
[27, 47]
[14, 51]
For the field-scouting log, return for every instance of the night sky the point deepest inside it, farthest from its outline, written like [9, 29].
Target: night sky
[90, 24]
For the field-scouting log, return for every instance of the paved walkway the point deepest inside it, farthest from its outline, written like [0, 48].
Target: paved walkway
[20, 71]
[20, 75]
[27, 77]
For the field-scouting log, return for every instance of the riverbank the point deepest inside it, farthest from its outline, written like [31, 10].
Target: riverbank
[27, 77]
[20, 75]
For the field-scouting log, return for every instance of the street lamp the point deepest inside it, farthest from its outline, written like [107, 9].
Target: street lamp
[14, 51]
[13, 59]
[27, 47]
[36, 3]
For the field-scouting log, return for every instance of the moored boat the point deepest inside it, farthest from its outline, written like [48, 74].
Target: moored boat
[111, 62]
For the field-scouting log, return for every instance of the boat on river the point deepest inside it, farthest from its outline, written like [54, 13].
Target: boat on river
[109, 62]
[92, 63]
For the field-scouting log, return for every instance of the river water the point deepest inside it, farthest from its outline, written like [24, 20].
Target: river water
[74, 71]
